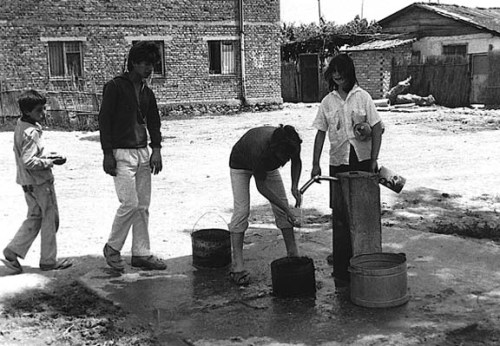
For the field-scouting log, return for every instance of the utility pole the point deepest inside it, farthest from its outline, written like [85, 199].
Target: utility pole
[362, 5]
[321, 20]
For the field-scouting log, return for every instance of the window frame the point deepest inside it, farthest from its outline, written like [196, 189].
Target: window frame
[64, 47]
[224, 64]
[456, 47]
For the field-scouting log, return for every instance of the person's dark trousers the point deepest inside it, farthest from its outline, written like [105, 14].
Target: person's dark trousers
[342, 247]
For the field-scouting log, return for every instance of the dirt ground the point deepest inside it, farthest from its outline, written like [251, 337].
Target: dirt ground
[450, 158]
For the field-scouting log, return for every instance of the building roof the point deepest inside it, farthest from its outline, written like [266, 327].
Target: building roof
[487, 19]
[378, 45]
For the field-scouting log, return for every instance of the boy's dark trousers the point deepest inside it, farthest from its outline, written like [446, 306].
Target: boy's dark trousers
[342, 247]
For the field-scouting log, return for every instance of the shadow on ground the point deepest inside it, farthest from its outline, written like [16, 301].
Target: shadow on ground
[439, 212]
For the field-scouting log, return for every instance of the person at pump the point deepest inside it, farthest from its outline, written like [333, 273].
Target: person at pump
[354, 128]
[260, 153]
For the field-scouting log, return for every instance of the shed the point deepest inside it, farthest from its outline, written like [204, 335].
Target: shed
[373, 61]
[452, 30]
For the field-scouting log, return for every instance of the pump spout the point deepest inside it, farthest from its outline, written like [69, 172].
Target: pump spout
[315, 179]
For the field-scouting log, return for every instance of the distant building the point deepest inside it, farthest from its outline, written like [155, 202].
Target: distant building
[426, 30]
[213, 51]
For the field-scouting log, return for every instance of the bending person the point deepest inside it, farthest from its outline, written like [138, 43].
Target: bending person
[260, 153]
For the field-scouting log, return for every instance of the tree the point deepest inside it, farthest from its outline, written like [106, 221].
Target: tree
[324, 39]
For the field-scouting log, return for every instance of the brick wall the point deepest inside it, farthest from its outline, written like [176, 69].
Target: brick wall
[373, 68]
[184, 26]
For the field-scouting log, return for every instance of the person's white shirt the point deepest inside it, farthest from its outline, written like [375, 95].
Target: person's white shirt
[338, 117]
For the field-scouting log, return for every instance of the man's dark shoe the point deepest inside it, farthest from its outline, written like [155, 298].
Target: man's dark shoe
[59, 265]
[11, 261]
[113, 258]
[148, 263]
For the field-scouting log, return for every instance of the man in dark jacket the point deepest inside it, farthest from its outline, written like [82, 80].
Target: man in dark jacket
[128, 112]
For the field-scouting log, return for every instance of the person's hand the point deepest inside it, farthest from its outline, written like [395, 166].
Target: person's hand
[291, 218]
[155, 161]
[316, 170]
[373, 166]
[298, 197]
[109, 164]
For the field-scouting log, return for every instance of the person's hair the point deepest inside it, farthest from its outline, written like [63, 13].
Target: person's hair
[344, 65]
[29, 100]
[285, 138]
[143, 51]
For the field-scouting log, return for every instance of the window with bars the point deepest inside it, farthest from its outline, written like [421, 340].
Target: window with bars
[65, 59]
[221, 57]
[159, 68]
[455, 50]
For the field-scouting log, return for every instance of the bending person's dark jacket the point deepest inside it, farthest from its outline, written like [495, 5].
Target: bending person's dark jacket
[122, 122]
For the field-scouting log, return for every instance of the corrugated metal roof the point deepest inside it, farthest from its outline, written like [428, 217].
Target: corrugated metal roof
[480, 17]
[378, 45]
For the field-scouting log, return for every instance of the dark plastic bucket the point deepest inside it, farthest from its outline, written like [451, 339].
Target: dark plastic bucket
[211, 248]
[293, 277]
[379, 280]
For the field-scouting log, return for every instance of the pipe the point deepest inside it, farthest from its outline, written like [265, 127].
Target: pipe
[315, 179]
[242, 52]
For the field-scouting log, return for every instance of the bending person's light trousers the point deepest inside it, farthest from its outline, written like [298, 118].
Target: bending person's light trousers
[240, 182]
[133, 188]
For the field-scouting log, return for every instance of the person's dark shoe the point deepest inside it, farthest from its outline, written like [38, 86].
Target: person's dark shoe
[148, 262]
[113, 258]
[11, 261]
[59, 265]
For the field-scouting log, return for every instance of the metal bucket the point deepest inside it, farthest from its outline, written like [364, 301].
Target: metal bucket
[391, 180]
[211, 248]
[379, 280]
[293, 277]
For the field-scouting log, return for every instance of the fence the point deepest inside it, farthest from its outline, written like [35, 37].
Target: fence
[300, 83]
[493, 85]
[448, 81]
[68, 109]
[290, 82]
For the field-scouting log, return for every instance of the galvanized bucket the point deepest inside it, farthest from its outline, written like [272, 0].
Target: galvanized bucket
[379, 280]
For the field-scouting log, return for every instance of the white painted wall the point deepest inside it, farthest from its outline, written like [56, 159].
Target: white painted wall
[477, 43]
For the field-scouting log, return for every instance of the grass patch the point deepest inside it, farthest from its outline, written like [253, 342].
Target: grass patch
[67, 313]
[473, 229]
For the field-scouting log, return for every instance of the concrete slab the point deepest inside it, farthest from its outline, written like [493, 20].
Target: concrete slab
[454, 286]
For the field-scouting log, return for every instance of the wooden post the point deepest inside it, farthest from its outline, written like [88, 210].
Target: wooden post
[356, 218]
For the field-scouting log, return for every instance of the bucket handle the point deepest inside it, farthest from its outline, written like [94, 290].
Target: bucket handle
[202, 216]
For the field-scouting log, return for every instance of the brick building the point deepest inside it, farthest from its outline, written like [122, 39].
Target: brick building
[213, 51]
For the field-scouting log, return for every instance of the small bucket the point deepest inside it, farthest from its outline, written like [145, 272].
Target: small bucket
[391, 180]
[379, 280]
[293, 277]
[211, 247]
